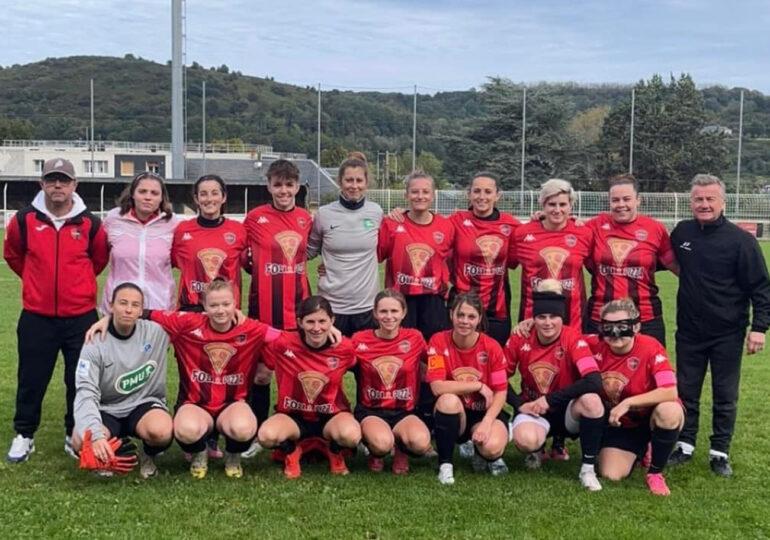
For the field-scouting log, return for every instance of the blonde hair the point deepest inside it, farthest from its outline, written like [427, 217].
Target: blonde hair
[624, 304]
[218, 284]
[554, 187]
[416, 175]
[549, 285]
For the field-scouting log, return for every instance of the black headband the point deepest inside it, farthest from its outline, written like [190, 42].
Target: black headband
[547, 302]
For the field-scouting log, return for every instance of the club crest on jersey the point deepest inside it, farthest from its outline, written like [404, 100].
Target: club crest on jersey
[387, 368]
[147, 347]
[482, 358]
[333, 362]
[641, 235]
[505, 229]
[133, 380]
[613, 383]
[301, 222]
[554, 258]
[570, 240]
[466, 374]
[438, 237]
[240, 338]
[490, 246]
[632, 363]
[219, 355]
[419, 255]
[312, 383]
[229, 238]
[404, 346]
[75, 233]
[558, 353]
[289, 242]
[620, 249]
[212, 260]
[544, 373]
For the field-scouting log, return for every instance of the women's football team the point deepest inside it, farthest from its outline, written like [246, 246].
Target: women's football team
[432, 354]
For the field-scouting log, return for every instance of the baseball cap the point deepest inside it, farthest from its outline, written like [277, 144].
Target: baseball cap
[59, 166]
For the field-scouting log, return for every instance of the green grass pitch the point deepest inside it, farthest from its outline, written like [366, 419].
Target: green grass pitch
[49, 497]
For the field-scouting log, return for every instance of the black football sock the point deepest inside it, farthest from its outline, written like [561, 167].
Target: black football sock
[425, 405]
[287, 447]
[233, 446]
[151, 450]
[591, 431]
[259, 401]
[663, 441]
[194, 447]
[558, 442]
[446, 427]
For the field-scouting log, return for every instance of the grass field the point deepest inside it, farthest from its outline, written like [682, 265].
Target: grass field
[50, 497]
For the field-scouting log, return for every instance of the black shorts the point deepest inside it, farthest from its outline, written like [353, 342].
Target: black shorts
[474, 417]
[630, 439]
[126, 426]
[390, 416]
[427, 313]
[655, 328]
[311, 428]
[349, 324]
[499, 329]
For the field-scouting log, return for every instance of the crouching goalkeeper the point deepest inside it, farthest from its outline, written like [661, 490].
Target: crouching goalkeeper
[121, 391]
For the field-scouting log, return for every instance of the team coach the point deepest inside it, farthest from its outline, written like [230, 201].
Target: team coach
[58, 248]
[722, 272]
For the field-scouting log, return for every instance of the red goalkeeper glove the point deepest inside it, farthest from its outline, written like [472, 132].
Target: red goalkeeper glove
[123, 461]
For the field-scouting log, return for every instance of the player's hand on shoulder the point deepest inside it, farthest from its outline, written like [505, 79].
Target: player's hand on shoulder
[397, 214]
[99, 327]
[523, 328]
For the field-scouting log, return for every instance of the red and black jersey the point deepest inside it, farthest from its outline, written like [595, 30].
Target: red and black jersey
[389, 370]
[215, 369]
[481, 257]
[204, 250]
[624, 261]
[58, 268]
[547, 368]
[483, 362]
[417, 255]
[277, 243]
[558, 255]
[310, 381]
[643, 369]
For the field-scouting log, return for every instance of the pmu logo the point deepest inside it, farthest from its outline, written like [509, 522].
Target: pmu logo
[133, 380]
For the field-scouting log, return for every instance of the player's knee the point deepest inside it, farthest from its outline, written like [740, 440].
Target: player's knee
[491, 450]
[379, 441]
[449, 404]
[613, 474]
[667, 415]
[526, 439]
[240, 429]
[417, 443]
[349, 434]
[268, 435]
[189, 432]
[591, 405]
[158, 433]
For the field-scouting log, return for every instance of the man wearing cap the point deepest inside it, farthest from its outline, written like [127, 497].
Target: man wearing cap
[58, 248]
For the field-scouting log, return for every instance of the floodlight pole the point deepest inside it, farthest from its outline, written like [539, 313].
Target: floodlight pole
[203, 127]
[414, 130]
[631, 143]
[318, 148]
[93, 166]
[523, 138]
[740, 148]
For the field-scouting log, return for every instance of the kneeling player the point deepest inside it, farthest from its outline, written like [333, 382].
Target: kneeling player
[388, 385]
[560, 382]
[466, 372]
[640, 385]
[121, 384]
[311, 402]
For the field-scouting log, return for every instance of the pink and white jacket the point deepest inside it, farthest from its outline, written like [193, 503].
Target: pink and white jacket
[140, 253]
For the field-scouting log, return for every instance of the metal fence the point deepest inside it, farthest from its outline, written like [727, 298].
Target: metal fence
[670, 208]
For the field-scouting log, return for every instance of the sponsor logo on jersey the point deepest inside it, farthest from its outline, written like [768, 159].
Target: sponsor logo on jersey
[83, 367]
[633, 272]
[482, 358]
[570, 240]
[76, 234]
[632, 363]
[404, 394]
[438, 237]
[641, 235]
[289, 242]
[133, 380]
[613, 383]
[505, 229]
[660, 358]
[312, 383]
[419, 255]
[229, 238]
[554, 258]
[404, 346]
[262, 220]
[186, 236]
[544, 373]
[387, 368]
[219, 355]
[41, 227]
[620, 249]
[466, 374]
[368, 223]
[529, 238]
[212, 260]
[490, 246]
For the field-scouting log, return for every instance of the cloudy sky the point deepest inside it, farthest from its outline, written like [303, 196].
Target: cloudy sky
[393, 44]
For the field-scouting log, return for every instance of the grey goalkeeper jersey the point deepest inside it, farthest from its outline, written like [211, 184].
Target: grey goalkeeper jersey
[117, 375]
[347, 242]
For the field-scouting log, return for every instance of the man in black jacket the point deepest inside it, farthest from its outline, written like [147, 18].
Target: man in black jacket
[722, 271]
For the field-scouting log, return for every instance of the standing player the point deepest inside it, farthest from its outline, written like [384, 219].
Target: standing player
[554, 248]
[277, 235]
[466, 371]
[311, 399]
[344, 233]
[389, 360]
[639, 384]
[208, 247]
[628, 247]
[121, 383]
[560, 382]
[482, 251]
[57, 248]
